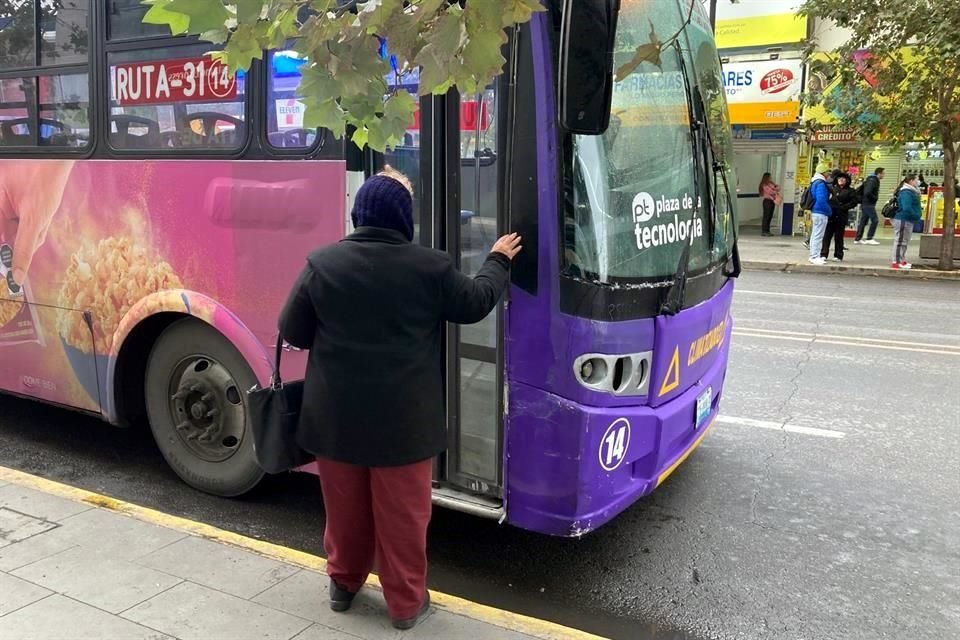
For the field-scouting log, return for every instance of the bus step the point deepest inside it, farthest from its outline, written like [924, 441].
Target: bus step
[480, 506]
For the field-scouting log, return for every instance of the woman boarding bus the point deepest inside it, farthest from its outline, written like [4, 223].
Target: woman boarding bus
[153, 293]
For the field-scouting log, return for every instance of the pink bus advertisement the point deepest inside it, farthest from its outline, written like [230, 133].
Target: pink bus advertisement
[110, 243]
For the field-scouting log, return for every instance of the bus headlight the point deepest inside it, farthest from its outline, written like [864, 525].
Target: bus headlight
[621, 375]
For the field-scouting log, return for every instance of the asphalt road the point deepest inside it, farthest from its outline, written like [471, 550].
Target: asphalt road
[826, 504]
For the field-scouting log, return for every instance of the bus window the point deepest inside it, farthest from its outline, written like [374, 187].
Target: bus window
[65, 108]
[18, 40]
[125, 18]
[64, 35]
[284, 111]
[49, 111]
[165, 99]
[15, 118]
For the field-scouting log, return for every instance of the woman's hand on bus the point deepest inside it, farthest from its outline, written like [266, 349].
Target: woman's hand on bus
[508, 245]
[33, 193]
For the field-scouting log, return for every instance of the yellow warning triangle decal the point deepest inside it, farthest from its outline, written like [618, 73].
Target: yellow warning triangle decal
[672, 380]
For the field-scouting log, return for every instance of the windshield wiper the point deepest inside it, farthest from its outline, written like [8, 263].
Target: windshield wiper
[721, 169]
[673, 300]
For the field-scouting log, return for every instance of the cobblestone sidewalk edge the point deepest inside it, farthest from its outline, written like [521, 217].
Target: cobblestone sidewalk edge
[453, 604]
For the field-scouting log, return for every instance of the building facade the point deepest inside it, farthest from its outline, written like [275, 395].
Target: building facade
[760, 44]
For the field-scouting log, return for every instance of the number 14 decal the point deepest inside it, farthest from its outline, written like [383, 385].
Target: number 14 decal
[614, 445]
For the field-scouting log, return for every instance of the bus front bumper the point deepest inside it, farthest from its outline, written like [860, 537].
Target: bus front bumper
[571, 468]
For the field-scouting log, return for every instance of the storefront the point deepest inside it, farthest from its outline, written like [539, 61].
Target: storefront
[843, 149]
[764, 100]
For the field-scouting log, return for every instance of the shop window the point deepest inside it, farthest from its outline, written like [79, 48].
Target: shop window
[285, 128]
[184, 101]
[49, 111]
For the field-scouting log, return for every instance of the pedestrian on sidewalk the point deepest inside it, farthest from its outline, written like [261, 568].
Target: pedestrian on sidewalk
[870, 195]
[843, 200]
[820, 211]
[770, 193]
[908, 214]
[371, 309]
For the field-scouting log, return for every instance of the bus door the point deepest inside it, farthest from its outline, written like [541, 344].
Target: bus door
[452, 158]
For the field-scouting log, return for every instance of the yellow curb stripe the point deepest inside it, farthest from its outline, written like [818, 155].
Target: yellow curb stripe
[452, 604]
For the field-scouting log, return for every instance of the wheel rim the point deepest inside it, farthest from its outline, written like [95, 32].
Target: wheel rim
[207, 408]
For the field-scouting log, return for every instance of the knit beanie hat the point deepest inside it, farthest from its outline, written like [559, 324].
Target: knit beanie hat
[823, 167]
[385, 203]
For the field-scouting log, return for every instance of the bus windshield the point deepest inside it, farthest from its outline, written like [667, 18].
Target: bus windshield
[637, 193]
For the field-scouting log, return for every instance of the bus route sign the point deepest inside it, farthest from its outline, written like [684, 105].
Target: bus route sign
[165, 81]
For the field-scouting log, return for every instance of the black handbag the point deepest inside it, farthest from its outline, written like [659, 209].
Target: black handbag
[274, 416]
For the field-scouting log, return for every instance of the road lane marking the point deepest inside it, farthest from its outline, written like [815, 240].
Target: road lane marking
[781, 426]
[943, 350]
[490, 615]
[786, 295]
[853, 338]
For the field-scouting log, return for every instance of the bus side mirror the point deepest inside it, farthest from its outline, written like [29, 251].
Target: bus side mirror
[585, 81]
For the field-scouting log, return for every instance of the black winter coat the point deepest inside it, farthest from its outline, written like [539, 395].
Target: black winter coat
[871, 190]
[371, 309]
[843, 199]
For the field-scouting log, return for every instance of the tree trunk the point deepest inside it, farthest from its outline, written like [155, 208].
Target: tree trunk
[949, 203]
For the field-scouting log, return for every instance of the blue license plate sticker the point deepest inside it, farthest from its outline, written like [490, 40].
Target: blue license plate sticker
[704, 405]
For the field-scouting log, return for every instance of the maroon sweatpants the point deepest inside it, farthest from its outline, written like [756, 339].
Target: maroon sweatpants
[379, 515]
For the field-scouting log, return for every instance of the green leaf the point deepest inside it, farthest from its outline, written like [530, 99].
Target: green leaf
[404, 39]
[205, 15]
[439, 59]
[283, 27]
[358, 66]
[400, 107]
[217, 36]
[318, 83]
[374, 14]
[520, 11]
[359, 136]
[377, 135]
[363, 106]
[242, 49]
[159, 13]
[326, 114]
[248, 10]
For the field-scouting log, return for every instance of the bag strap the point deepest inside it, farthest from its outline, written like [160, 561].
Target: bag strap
[276, 382]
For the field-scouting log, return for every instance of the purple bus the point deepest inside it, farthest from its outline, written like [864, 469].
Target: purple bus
[180, 203]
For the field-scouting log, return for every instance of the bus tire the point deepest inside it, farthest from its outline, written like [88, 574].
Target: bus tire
[195, 389]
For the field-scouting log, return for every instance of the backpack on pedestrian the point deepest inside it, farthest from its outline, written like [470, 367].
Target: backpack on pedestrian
[807, 199]
[892, 207]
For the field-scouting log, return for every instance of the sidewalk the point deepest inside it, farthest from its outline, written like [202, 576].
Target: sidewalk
[786, 253]
[81, 566]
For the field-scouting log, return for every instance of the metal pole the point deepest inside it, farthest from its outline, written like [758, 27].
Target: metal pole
[713, 15]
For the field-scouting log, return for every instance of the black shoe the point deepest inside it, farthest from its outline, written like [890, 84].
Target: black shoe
[410, 623]
[340, 598]
[766, 234]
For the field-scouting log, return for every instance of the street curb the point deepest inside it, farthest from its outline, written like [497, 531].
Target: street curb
[882, 272]
[452, 604]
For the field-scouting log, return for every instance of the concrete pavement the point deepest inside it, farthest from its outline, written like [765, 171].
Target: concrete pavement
[786, 253]
[79, 565]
